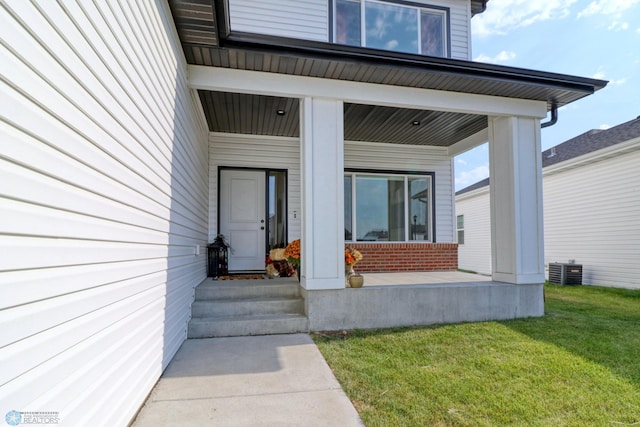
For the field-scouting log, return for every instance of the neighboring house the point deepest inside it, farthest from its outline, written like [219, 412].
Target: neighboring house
[133, 132]
[591, 192]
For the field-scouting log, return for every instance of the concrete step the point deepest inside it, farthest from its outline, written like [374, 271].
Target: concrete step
[247, 307]
[236, 289]
[227, 326]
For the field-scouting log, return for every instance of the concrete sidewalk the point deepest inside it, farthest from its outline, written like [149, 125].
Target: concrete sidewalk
[271, 380]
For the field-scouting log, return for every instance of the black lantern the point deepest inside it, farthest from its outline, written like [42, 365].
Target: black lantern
[218, 254]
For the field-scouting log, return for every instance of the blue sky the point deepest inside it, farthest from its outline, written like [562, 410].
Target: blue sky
[587, 38]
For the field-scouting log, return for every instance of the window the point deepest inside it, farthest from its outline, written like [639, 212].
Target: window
[277, 197]
[384, 207]
[401, 27]
[460, 227]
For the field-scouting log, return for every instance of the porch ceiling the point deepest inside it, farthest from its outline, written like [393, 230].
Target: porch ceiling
[257, 115]
[206, 40]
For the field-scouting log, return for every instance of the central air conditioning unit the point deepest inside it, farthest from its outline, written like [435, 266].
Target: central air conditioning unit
[565, 274]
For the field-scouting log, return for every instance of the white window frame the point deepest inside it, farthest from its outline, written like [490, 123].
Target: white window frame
[407, 227]
[428, 8]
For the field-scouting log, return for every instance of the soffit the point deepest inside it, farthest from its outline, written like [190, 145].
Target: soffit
[195, 21]
[256, 115]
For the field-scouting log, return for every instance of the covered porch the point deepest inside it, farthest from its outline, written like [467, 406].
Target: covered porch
[328, 141]
[318, 131]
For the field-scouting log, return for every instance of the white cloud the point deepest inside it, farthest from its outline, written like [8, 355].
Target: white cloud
[604, 126]
[466, 178]
[391, 44]
[616, 10]
[607, 7]
[601, 75]
[618, 26]
[503, 16]
[461, 161]
[502, 57]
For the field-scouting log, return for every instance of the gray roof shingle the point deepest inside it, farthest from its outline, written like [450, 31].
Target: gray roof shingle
[590, 141]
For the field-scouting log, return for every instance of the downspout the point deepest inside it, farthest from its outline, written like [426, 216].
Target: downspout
[554, 117]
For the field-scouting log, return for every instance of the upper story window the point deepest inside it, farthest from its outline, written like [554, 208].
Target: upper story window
[399, 26]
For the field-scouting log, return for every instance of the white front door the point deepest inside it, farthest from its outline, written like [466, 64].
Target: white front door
[242, 217]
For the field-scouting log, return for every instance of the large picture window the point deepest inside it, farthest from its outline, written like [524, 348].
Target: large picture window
[402, 27]
[387, 207]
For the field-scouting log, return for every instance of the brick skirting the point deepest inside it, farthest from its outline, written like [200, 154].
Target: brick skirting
[383, 257]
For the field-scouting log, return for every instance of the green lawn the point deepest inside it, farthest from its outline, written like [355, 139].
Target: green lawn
[579, 365]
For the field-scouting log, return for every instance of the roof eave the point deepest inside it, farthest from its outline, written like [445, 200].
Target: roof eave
[439, 65]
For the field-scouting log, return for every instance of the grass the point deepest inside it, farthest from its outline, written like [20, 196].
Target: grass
[579, 365]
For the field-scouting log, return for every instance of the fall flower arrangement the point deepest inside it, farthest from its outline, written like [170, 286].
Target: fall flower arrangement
[352, 256]
[292, 252]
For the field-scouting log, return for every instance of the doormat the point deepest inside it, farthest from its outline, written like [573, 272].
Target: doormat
[242, 277]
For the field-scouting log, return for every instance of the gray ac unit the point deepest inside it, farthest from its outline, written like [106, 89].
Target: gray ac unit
[565, 274]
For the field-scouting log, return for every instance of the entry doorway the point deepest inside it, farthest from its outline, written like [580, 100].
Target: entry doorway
[252, 215]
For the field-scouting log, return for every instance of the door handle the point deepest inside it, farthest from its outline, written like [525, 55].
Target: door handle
[261, 228]
[262, 221]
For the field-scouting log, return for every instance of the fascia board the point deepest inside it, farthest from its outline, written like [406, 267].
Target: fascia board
[285, 85]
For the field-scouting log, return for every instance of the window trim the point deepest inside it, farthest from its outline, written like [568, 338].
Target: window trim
[446, 12]
[406, 174]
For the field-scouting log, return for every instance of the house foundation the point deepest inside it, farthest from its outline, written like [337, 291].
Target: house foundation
[411, 305]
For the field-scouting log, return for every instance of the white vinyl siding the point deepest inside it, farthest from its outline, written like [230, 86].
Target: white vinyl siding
[475, 254]
[395, 157]
[460, 25]
[262, 152]
[103, 200]
[592, 215]
[308, 20]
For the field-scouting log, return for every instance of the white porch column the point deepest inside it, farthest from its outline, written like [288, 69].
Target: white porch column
[517, 249]
[322, 174]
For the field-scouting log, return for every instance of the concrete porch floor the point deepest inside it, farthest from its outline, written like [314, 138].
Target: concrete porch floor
[421, 278]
